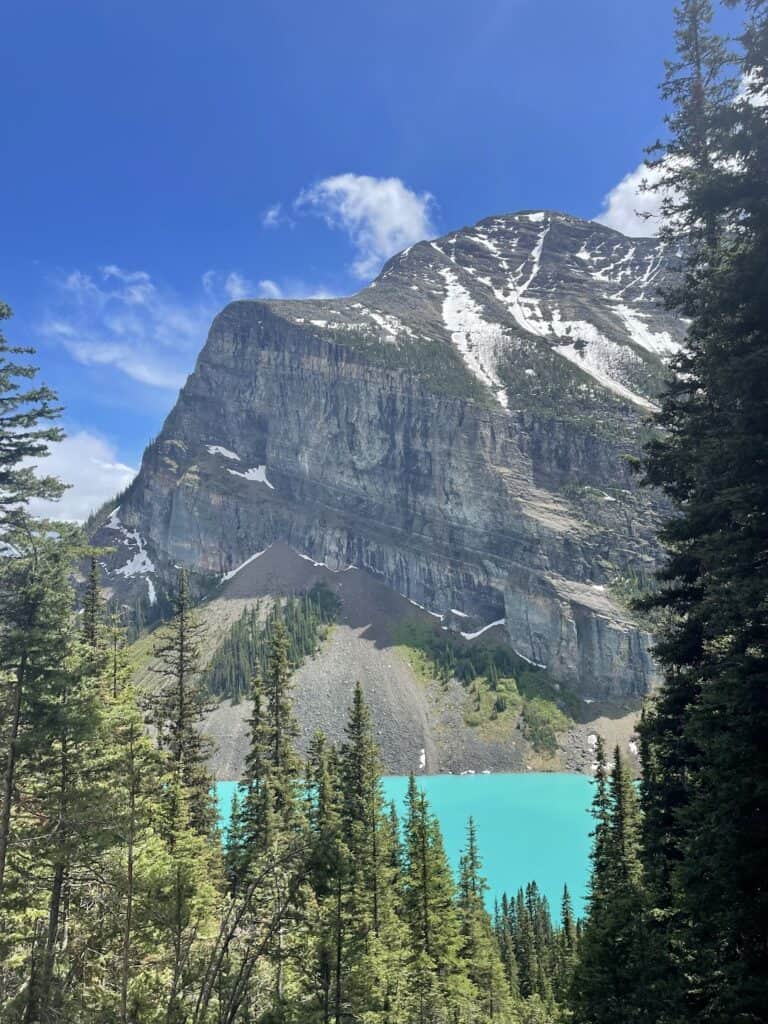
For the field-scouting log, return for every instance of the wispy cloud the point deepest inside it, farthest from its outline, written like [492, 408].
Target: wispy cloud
[90, 465]
[237, 287]
[124, 319]
[273, 216]
[380, 215]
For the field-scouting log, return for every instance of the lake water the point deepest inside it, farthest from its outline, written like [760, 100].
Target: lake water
[530, 827]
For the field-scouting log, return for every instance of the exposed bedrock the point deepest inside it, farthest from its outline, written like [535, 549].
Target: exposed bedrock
[360, 431]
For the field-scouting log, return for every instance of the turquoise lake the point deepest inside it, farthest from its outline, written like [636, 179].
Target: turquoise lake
[532, 827]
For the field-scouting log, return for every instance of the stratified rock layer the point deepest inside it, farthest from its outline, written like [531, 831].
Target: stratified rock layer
[460, 429]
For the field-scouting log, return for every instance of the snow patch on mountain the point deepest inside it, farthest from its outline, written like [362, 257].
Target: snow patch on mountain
[140, 563]
[217, 449]
[258, 474]
[233, 572]
[479, 632]
[658, 342]
[391, 325]
[478, 340]
[593, 356]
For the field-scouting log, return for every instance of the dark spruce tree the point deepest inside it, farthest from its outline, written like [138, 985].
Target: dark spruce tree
[180, 704]
[374, 936]
[609, 980]
[92, 606]
[705, 780]
[438, 983]
[26, 412]
[480, 947]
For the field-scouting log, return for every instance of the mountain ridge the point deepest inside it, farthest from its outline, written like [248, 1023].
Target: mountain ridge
[459, 429]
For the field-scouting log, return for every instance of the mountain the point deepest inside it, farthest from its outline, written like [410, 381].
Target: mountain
[459, 432]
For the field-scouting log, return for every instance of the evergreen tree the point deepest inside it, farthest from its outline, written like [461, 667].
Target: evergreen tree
[65, 818]
[35, 622]
[281, 723]
[137, 803]
[267, 845]
[506, 927]
[181, 703]
[92, 606]
[184, 899]
[609, 979]
[480, 949]
[25, 412]
[566, 951]
[374, 937]
[704, 756]
[328, 870]
[437, 979]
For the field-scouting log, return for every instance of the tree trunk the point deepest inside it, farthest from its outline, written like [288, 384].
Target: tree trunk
[39, 1000]
[126, 951]
[10, 765]
[338, 953]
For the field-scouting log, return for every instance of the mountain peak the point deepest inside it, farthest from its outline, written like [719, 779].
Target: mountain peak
[458, 430]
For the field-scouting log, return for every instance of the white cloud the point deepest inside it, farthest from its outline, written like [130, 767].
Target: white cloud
[380, 215]
[90, 464]
[629, 210]
[270, 290]
[272, 216]
[236, 286]
[123, 319]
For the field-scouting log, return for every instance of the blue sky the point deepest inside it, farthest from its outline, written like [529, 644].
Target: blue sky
[161, 157]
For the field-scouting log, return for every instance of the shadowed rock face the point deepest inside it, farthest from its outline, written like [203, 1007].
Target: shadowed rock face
[459, 429]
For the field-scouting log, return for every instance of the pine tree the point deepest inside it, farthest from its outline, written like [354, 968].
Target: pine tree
[67, 827]
[269, 793]
[267, 854]
[181, 703]
[117, 662]
[281, 723]
[609, 979]
[506, 933]
[480, 949]
[705, 763]
[567, 948]
[24, 435]
[92, 606]
[329, 869]
[247, 830]
[374, 937]
[185, 901]
[26, 413]
[118, 926]
[437, 978]
[362, 809]
[35, 609]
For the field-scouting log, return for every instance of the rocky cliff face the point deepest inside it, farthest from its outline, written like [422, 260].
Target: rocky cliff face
[459, 429]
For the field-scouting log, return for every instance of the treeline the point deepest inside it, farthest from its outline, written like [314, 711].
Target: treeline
[244, 650]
